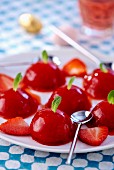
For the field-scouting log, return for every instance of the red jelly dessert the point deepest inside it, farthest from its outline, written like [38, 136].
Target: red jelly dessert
[97, 14]
[15, 126]
[52, 126]
[44, 75]
[75, 67]
[103, 113]
[73, 99]
[98, 84]
[16, 102]
[6, 82]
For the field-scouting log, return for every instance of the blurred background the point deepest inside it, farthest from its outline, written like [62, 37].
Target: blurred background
[14, 39]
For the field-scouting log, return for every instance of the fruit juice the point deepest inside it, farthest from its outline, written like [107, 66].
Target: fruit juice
[97, 14]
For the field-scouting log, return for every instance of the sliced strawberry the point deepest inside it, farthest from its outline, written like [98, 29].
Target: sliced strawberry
[31, 93]
[93, 136]
[75, 67]
[6, 82]
[15, 126]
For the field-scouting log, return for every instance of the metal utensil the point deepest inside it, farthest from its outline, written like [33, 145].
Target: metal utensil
[80, 117]
[78, 47]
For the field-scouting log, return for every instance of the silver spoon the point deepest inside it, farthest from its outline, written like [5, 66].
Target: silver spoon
[80, 117]
[81, 49]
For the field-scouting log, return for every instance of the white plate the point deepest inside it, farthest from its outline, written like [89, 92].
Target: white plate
[65, 54]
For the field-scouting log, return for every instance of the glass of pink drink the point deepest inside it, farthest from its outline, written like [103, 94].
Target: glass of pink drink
[97, 16]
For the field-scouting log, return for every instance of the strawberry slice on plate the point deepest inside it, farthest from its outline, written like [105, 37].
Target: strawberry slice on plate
[6, 82]
[93, 136]
[75, 67]
[31, 93]
[15, 126]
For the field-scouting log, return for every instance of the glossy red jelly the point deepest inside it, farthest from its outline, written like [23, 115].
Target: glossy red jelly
[17, 104]
[52, 128]
[98, 84]
[103, 115]
[43, 77]
[73, 100]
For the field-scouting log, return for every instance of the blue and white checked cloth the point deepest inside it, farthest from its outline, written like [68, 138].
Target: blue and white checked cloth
[13, 39]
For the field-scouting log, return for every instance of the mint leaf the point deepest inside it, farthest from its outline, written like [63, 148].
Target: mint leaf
[103, 68]
[55, 103]
[44, 56]
[17, 80]
[111, 97]
[70, 82]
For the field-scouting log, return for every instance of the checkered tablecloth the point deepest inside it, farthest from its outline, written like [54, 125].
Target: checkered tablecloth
[13, 39]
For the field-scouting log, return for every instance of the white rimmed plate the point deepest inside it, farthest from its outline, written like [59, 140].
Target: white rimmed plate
[64, 54]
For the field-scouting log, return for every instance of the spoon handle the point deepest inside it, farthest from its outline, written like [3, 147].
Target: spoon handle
[75, 44]
[73, 145]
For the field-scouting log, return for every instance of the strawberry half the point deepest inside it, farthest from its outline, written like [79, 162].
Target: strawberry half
[75, 67]
[15, 126]
[6, 82]
[93, 136]
[31, 93]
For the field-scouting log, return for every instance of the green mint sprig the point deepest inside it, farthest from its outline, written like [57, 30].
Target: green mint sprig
[70, 82]
[55, 103]
[110, 97]
[16, 82]
[44, 56]
[103, 68]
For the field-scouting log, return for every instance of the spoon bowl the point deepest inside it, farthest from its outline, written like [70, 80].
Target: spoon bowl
[80, 117]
